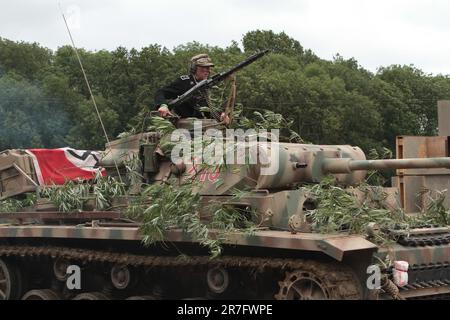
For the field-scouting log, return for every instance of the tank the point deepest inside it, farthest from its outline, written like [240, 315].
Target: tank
[98, 252]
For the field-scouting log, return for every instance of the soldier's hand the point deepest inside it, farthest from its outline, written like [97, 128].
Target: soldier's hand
[225, 118]
[164, 111]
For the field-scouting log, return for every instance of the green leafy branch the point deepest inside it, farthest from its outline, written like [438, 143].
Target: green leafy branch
[435, 212]
[71, 196]
[165, 207]
[14, 205]
[340, 210]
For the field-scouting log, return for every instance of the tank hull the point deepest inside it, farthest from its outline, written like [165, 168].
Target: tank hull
[262, 265]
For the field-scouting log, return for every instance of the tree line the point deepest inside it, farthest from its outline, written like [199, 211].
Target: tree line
[44, 101]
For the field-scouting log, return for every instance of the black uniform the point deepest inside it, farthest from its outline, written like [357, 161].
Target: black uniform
[189, 108]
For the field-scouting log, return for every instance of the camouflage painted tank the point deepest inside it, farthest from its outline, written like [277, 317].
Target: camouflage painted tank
[42, 249]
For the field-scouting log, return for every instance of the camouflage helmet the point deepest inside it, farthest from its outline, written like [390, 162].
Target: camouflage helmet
[200, 60]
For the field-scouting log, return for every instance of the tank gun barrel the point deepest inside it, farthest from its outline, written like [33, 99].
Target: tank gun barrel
[311, 163]
[333, 165]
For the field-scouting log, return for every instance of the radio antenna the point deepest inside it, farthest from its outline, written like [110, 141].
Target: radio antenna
[90, 91]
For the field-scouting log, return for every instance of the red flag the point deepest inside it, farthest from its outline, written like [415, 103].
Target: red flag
[55, 166]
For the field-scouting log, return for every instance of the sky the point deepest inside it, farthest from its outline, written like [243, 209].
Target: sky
[375, 33]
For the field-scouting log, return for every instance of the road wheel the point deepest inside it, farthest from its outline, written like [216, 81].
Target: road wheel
[91, 296]
[43, 294]
[11, 281]
[320, 281]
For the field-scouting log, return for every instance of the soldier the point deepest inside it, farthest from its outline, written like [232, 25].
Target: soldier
[199, 69]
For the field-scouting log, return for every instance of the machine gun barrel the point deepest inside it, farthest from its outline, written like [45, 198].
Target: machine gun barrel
[207, 83]
[334, 165]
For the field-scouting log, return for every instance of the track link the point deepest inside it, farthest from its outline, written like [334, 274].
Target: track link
[339, 280]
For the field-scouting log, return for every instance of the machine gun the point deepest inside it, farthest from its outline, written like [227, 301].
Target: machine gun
[210, 82]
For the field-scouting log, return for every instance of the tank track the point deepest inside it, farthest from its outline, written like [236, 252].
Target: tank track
[445, 296]
[340, 280]
[429, 276]
[424, 240]
[424, 276]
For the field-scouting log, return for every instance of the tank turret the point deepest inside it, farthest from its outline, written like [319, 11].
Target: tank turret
[291, 165]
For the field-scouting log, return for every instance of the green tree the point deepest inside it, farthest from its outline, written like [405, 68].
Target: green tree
[45, 101]
[28, 118]
[25, 59]
[418, 92]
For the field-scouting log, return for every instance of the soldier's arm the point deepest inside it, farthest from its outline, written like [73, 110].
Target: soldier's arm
[171, 91]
